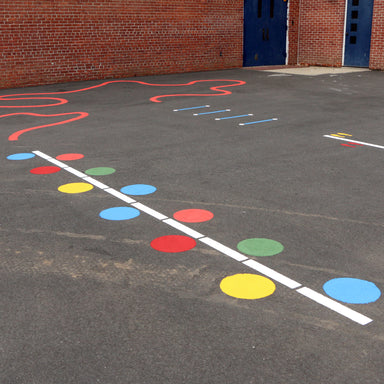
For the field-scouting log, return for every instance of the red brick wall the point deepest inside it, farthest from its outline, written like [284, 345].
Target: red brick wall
[316, 35]
[293, 31]
[321, 31]
[50, 41]
[376, 59]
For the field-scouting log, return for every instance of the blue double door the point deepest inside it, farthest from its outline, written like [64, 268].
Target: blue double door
[358, 33]
[265, 32]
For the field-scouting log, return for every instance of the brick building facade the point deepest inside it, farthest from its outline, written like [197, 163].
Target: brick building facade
[322, 27]
[318, 38]
[377, 41]
[48, 41]
[52, 41]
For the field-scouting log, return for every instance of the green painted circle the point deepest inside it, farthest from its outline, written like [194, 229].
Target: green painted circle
[100, 171]
[260, 247]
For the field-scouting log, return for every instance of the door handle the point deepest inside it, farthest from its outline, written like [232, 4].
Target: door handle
[267, 33]
[263, 34]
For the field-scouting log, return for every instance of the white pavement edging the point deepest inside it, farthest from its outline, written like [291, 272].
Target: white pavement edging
[253, 264]
[316, 71]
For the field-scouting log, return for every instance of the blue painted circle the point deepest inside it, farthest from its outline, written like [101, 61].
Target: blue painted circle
[119, 213]
[138, 189]
[352, 291]
[21, 156]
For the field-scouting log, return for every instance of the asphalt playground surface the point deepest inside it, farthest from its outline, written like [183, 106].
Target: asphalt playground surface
[88, 300]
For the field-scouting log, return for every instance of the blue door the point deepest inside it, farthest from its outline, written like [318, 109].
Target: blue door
[358, 33]
[265, 32]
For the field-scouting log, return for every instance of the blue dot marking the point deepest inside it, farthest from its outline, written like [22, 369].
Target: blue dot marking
[352, 291]
[21, 156]
[119, 213]
[138, 189]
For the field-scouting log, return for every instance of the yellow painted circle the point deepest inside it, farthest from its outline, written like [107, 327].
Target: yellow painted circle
[75, 187]
[247, 286]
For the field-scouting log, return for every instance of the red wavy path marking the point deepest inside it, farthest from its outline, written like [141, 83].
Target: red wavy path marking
[60, 101]
[15, 136]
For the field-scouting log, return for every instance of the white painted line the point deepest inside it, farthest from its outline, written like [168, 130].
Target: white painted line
[334, 305]
[354, 141]
[120, 195]
[57, 162]
[75, 172]
[42, 155]
[149, 211]
[223, 249]
[183, 228]
[272, 274]
[95, 182]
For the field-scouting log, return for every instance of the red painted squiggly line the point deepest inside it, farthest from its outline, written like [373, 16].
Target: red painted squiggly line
[60, 101]
[217, 89]
[15, 136]
[9, 98]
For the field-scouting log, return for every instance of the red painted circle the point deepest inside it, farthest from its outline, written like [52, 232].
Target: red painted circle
[193, 215]
[70, 156]
[173, 243]
[45, 170]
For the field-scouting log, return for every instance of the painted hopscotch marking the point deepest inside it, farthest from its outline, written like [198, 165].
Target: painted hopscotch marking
[354, 141]
[189, 108]
[233, 117]
[253, 264]
[211, 112]
[260, 121]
